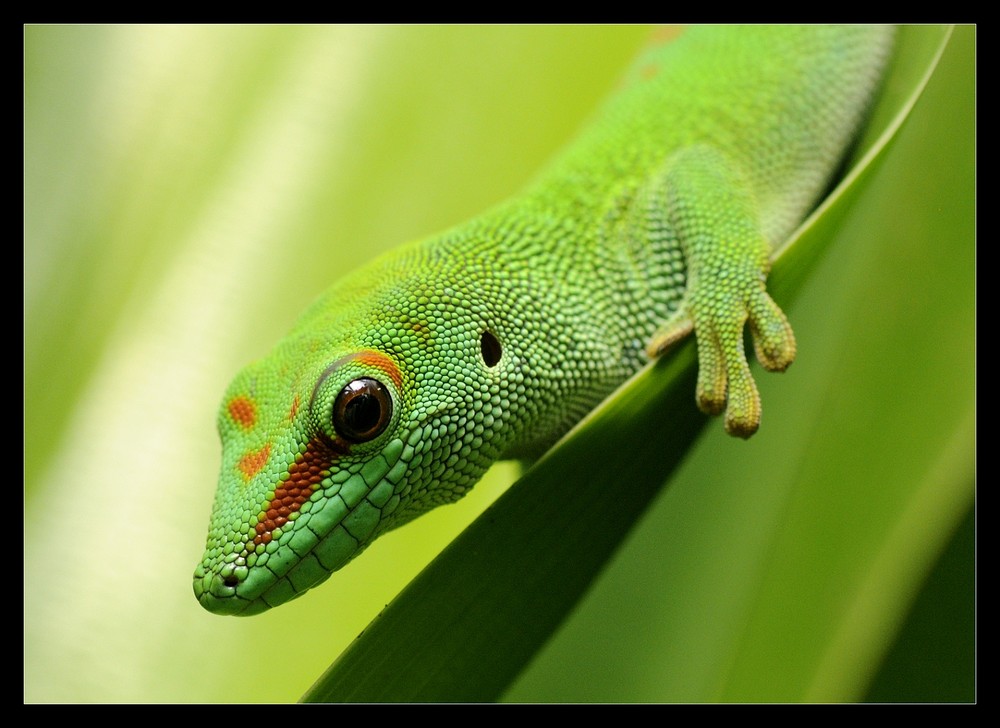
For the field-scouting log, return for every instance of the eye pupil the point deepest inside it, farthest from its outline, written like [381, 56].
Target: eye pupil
[362, 410]
[362, 413]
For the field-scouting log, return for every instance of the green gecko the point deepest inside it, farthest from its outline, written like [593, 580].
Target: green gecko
[407, 380]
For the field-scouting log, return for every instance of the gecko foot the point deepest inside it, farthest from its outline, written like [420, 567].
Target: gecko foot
[725, 383]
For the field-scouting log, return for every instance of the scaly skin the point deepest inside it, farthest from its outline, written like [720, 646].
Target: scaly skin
[404, 382]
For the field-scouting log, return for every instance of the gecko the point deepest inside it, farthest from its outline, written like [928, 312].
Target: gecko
[407, 379]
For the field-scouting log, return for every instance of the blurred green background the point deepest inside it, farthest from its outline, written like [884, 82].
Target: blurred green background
[190, 189]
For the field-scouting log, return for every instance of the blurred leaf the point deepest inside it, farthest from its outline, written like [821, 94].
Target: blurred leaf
[934, 657]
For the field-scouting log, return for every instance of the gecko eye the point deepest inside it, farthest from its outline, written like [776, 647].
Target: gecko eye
[362, 410]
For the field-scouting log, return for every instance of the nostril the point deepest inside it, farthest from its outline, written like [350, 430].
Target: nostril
[230, 580]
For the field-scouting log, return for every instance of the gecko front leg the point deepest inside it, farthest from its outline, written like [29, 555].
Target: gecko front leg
[712, 213]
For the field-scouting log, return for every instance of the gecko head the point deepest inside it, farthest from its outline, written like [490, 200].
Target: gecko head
[325, 447]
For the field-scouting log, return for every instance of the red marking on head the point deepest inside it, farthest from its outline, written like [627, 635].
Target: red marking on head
[304, 476]
[382, 363]
[252, 463]
[295, 408]
[665, 34]
[649, 70]
[243, 411]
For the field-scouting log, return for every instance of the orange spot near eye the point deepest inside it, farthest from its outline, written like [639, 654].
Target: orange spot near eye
[243, 411]
[650, 70]
[295, 408]
[252, 463]
[384, 363]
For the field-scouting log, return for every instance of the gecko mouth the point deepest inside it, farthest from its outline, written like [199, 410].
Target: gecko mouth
[313, 525]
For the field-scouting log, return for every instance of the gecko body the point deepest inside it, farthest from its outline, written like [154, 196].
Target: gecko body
[406, 380]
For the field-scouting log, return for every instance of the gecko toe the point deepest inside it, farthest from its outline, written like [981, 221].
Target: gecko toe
[773, 338]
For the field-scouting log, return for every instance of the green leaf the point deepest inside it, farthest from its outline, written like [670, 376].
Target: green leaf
[777, 570]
